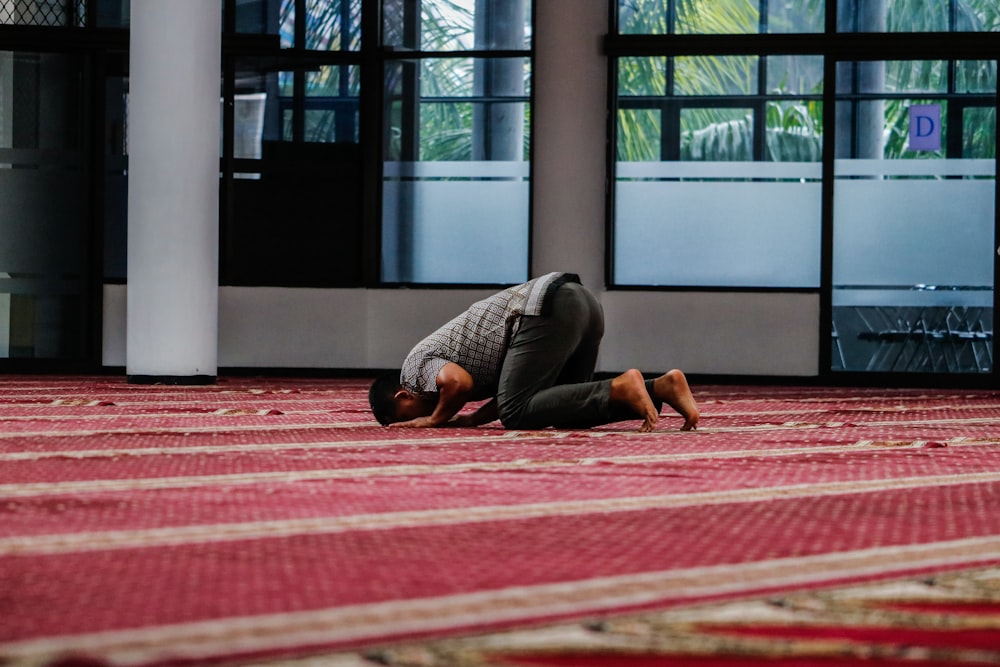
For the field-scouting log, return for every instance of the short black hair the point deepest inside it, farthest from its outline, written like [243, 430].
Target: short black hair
[381, 397]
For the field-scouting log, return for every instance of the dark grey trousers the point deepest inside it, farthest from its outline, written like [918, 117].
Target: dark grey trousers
[547, 375]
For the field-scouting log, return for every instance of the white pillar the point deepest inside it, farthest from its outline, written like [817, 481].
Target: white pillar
[173, 191]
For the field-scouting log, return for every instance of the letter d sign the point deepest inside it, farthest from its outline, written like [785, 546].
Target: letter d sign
[925, 127]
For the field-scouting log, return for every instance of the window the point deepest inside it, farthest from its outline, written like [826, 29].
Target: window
[456, 141]
[292, 160]
[345, 163]
[913, 272]
[844, 149]
[718, 171]
[452, 90]
[44, 263]
[363, 141]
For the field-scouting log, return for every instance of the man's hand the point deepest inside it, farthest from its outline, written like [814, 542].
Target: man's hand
[419, 422]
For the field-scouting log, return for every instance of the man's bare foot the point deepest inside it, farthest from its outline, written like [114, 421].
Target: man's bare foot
[672, 388]
[629, 389]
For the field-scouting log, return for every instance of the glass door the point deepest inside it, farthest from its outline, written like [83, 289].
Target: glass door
[45, 246]
[914, 220]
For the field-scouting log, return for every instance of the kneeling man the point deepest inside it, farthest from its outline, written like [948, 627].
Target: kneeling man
[532, 350]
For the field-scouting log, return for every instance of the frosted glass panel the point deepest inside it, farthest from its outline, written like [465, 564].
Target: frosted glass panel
[904, 223]
[455, 222]
[913, 265]
[708, 224]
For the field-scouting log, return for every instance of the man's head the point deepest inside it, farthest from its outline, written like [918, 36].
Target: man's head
[391, 403]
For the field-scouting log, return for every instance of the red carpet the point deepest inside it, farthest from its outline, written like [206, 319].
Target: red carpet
[267, 521]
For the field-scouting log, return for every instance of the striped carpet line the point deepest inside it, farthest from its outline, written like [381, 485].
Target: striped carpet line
[111, 401]
[381, 621]
[69, 399]
[249, 447]
[182, 407]
[14, 388]
[665, 429]
[30, 489]
[929, 423]
[213, 428]
[850, 395]
[863, 411]
[208, 412]
[425, 443]
[274, 529]
[284, 403]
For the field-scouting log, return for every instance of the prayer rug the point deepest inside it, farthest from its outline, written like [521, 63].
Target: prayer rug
[265, 521]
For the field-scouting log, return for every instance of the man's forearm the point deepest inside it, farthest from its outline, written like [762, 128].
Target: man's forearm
[445, 410]
[484, 414]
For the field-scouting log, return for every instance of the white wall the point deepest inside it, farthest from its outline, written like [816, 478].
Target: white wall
[704, 332]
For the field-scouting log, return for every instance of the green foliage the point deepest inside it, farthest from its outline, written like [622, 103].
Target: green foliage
[793, 135]
[639, 135]
[794, 129]
[446, 126]
[726, 140]
[717, 17]
[794, 132]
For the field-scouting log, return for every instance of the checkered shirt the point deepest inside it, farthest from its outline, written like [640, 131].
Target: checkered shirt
[477, 339]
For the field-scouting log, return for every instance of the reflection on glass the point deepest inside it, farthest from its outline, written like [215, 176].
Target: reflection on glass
[116, 178]
[266, 107]
[296, 164]
[43, 219]
[333, 25]
[257, 17]
[326, 25]
[113, 13]
[332, 104]
[326, 111]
